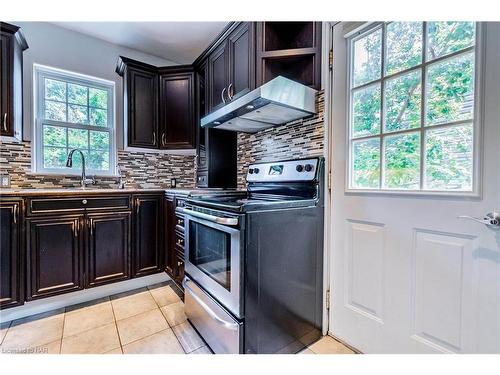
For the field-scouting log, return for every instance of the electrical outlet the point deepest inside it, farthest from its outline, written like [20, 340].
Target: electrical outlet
[173, 182]
[5, 181]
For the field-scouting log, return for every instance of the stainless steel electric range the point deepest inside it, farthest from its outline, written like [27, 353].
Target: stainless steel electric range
[254, 260]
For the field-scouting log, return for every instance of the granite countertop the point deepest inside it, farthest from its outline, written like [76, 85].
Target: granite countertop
[97, 191]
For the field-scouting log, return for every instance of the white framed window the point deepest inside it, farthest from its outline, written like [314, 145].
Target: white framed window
[413, 100]
[71, 111]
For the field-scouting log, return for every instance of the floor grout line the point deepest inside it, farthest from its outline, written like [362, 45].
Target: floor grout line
[116, 325]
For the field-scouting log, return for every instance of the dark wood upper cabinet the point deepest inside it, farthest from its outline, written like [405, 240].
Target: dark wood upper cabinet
[177, 108]
[55, 248]
[142, 104]
[241, 47]
[108, 249]
[218, 76]
[12, 45]
[148, 235]
[289, 49]
[231, 66]
[11, 255]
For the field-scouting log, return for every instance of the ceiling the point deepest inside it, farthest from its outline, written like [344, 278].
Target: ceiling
[180, 42]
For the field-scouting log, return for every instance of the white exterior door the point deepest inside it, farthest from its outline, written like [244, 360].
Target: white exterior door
[407, 275]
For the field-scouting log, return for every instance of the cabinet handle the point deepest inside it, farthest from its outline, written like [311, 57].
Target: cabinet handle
[229, 91]
[5, 122]
[76, 227]
[15, 214]
[163, 139]
[222, 95]
[137, 205]
[91, 226]
[154, 138]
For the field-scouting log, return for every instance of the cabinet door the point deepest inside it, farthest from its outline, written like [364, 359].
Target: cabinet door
[177, 111]
[108, 250]
[142, 101]
[11, 260]
[55, 255]
[148, 224]
[241, 60]
[6, 75]
[169, 233]
[218, 76]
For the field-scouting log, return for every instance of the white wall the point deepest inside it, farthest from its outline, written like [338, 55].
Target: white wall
[65, 49]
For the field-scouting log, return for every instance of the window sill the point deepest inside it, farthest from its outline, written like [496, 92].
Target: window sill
[89, 175]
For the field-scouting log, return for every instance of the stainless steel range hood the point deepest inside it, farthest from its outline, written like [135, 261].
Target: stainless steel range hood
[277, 102]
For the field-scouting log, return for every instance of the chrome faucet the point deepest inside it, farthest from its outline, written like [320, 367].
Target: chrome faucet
[121, 179]
[84, 181]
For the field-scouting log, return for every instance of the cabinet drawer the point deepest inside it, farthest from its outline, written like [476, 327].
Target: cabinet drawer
[48, 205]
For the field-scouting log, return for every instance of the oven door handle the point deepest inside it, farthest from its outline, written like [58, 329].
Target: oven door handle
[229, 325]
[215, 219]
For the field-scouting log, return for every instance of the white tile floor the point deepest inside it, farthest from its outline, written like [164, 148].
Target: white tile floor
[146, 321]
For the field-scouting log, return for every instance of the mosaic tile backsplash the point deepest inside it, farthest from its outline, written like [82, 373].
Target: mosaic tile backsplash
[141, 170]
[151, 170]
[299, 139]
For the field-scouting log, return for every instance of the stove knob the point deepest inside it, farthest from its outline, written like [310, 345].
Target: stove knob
[299, 168]
[250, 171]
[309, 167]
[256, 170]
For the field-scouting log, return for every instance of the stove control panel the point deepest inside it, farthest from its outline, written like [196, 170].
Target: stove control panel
[283, 171]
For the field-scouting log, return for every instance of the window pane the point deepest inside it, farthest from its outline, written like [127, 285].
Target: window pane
[98, 98]
[402, 102]
[99, 140]
[448, 37]
[98, 160]
[98, 117]
[77, 114]
[367, 58]
[78, 138]
[402, 161]
[366, 111]
[55, 111]
[366, 164]
[450, 90]
[54, 136]
[449, 158]
[54, 157]
[404, 46]
[55, 90]
[77, 94]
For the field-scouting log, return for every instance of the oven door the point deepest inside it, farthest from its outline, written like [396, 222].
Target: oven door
[213, 257]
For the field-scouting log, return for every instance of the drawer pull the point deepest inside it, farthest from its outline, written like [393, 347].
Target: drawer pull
[84, 201]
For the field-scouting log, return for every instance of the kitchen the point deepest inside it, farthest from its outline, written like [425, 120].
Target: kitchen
[239, 189]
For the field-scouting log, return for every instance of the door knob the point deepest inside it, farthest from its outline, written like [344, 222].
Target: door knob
[491, 219]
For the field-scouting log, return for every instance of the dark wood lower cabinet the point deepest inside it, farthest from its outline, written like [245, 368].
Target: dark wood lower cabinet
[55, 262]
[108, 249]
[11, 256]
[148, 233]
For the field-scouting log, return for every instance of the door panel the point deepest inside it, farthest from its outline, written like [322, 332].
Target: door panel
[11, 260]
[407, 275]
[108, 258]
[148, 256]
[218, 79]
[55, 255]
[177, 111]
[241, 60]
[143, 118]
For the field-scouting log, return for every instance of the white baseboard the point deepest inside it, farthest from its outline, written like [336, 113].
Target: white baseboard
[63, 300]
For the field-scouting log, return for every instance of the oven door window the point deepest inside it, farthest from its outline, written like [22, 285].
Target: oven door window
[210, 252]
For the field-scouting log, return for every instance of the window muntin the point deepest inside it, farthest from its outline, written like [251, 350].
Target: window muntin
[412, 99]
[73, 111]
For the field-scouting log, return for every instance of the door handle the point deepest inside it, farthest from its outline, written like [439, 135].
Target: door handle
[222, 95]
[229, 91]
[212, 218]
[491, 220]
[5, 122]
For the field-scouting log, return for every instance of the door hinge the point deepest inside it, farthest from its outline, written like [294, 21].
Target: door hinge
[328, 299]
[329, 180]
[330, 60]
